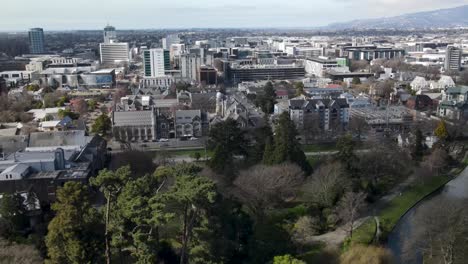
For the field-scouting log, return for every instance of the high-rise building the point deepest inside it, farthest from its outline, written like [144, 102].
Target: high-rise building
[190, 65]
[156, 62]
[453, 58]
[36, 40]
[112, 53]
[169, 40]
[111, 50]
[109, 34]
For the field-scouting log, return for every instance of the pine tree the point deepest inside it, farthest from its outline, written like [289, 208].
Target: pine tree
[287, 147]
[75, 234]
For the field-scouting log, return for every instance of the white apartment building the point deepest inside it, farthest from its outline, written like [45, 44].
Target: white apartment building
[113, 53]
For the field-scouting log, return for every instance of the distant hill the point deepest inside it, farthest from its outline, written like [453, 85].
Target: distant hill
[442, 18]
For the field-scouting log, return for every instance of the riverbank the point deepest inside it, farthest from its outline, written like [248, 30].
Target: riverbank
[398, 207]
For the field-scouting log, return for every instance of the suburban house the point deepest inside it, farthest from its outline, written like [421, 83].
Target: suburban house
[454, 103]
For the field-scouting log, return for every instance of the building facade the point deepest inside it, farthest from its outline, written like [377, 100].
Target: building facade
[327, 113]
[36, 40]
[156, 62]
[453, 57]
[113, 53]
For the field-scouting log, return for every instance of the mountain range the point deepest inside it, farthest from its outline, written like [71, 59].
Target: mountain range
[441, 18]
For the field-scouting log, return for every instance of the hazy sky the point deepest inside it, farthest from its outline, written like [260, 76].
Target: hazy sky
[145, 14]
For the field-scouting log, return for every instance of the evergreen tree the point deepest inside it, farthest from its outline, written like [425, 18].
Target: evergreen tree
[102, 125]
[299, 88]
[267, 100]
[189, 197]
[418, 147]
[346, 146]
[137, 220]
[75, 234]
[12, 215]
[269, 153]
[287, 148]
[111, 184]
[226, 139]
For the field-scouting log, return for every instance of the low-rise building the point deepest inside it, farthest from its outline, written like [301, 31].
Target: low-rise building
[329, 112]
[454, 104]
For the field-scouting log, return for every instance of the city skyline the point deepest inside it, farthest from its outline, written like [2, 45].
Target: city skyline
[90, 15]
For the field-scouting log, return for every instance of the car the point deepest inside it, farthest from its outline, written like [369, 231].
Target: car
[163, 140]
[193, 138]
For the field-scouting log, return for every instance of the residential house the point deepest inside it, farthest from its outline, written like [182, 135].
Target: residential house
[328, 111]
[454, 104]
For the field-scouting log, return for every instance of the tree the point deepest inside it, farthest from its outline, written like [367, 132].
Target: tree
[358, 126]
[287, 148]
[325, 186]
[91, 104]
[345, 146]
[12, 214]
[349, 207]
[138, 217]
[119, 94]
[299, 88]
[356, 81]
[227, 139]
[111, 184]
[440, 232]
[441, 131]
[102, 125]
[190, 195]
[263, 187]
[267, 100]
[80, 106]
[196, 156]
[437, 160]
[74, 234]
[418, 148]
[304, 228]
[359, 65]
[67, 112]
[287, 259]
[367, 255]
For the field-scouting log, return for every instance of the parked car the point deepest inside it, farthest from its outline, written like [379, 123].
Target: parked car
[193, 138]
[163, 140]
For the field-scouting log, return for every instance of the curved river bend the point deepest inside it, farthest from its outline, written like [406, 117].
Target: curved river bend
[455, 190]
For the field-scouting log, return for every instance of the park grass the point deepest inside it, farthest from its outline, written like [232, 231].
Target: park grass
[364, 234]
[396, 209]
[185, 152]
[319, 147]
[410, 197]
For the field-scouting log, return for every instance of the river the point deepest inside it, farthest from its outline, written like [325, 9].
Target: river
[455, 190]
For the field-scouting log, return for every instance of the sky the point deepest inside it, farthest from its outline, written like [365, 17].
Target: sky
[19, 15]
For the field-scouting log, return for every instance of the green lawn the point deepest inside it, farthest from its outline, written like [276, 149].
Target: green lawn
[319, 147]
[185, 152]
[396, 209]
[398, 206]
[365, 233]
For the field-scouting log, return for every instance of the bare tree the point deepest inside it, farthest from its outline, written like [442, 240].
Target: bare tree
[349, 207]
[325, 185]
[264, 187]
[311, 126]
[437, 160]
[358, 125]
[440, 232]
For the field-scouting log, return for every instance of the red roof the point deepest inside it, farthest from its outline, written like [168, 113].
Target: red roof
[334, 86]
[281, 93]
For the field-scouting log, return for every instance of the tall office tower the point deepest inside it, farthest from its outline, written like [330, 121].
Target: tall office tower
[190, 65]
[156, 62]
[36, 40]
[453, 58]
[113, 53]
[169, 40]
[109, 34]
